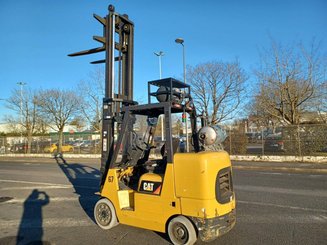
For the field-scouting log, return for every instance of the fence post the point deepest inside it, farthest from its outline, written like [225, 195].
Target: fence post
[299, 140]
[230, 139]
[262, 143]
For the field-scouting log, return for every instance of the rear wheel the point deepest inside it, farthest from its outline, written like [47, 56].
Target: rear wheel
[181, 231]
[105, 214]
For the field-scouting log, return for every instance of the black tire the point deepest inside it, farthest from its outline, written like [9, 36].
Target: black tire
[105, 214]
[181, 231]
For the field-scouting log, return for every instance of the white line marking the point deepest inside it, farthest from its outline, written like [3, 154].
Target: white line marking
[273, 218]
[30, 182]
[316, 176]
[36, 187]
[51, 222]
[52, 199]
[271, 173]
[292, 174]
[296, 170]
[267, 189]
[283, 206]
[47, 185]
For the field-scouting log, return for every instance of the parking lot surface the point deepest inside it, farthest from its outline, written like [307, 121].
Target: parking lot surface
[47, 202]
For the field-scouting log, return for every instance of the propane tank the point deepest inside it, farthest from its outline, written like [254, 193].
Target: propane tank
[211, 137]
[164, 94]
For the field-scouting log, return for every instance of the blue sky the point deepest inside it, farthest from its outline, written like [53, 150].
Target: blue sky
[37, 35]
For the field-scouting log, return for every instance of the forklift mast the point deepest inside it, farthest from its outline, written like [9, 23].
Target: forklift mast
[118, 44]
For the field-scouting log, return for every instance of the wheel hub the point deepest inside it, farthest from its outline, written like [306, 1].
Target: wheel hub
[103, 214]
[180, 233]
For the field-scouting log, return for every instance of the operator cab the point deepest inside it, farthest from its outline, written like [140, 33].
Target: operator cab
[139, 150]
[139, 146]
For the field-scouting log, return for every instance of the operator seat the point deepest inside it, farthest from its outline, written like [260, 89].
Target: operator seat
[159, 165]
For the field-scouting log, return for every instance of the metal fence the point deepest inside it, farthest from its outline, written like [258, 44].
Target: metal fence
[298, 140]
[83, 143]
[293, 140]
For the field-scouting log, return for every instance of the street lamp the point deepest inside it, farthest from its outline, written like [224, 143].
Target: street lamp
[160, 54]
[181, 41]
[21, 84]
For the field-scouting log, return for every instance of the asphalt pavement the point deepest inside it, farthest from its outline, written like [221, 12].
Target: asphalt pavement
[45, 202]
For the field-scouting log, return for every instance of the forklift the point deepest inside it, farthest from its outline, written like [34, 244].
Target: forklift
[188, 195]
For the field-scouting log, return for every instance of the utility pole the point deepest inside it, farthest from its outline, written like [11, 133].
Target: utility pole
[160, 54]
[21, 84]
[181, 41]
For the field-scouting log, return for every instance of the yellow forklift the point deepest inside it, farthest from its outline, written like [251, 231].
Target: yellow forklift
[152, 185]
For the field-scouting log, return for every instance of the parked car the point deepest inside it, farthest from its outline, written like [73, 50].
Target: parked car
[36, 147]
[87, 144]
[78, 143]
[19, 148]
[274, 142]
[54, 148]
[253, 137]
[2, 149]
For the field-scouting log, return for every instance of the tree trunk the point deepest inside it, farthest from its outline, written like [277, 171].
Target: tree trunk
[60, 138]
[29, 141]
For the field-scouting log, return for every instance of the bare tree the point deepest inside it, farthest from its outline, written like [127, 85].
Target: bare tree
[27, 116]
[260, 117]
[218, 89]
[58, 107]
[289, 78]
[321, 102]
[78, 122]
[92, 92]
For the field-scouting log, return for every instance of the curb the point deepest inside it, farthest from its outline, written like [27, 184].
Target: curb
[51, 155]
[308, 159]
[284, 169]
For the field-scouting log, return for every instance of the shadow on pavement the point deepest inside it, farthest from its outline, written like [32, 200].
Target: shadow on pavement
[85, 181]
[164, 236]
[31, 226]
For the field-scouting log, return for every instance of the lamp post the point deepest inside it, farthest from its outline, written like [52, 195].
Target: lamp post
[21, 84]
[181, 41]
[160, 54]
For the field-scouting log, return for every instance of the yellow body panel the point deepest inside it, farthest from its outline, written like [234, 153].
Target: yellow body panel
[188, 188]
[147, 211]
[195, 179]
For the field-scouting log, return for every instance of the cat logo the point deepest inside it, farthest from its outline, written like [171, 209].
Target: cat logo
[150, 187]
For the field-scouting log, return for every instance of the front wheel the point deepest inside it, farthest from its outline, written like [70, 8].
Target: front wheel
[181, 231]
[105, 214]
